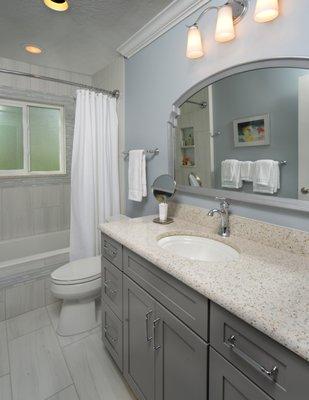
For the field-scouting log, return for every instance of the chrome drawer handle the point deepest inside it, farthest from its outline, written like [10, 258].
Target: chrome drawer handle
[272, 374]
[109, 336]
[148, 338]
[111, 291]
[155, 324]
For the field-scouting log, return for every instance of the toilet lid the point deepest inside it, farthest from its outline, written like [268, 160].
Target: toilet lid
[84, 270]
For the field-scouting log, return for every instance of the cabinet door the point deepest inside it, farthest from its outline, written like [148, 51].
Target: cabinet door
[181, 359]
[228, 383]
[139, 310]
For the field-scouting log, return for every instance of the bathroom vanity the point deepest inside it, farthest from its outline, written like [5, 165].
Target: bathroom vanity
[171, 341]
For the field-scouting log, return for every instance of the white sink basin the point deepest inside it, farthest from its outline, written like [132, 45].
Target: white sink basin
[198, 248]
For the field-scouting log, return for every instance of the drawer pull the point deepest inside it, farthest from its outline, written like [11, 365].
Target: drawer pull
[109, 336]
[111, 253]
[155, 324]
[272, 374]
[148, 338]
[111, 291]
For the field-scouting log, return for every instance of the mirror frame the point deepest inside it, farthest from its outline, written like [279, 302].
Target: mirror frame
[261, 200]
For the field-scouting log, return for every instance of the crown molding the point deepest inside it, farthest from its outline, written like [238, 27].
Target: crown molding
[171, 15]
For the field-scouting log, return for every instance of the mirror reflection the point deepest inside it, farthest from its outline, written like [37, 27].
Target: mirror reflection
[163, 188]
[249, 133]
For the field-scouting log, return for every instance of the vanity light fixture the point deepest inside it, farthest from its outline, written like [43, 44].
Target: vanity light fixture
[57, 5]
[228, 15]
[266, 10]
[33, 49]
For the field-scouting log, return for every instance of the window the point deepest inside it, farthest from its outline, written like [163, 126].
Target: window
[32, 139]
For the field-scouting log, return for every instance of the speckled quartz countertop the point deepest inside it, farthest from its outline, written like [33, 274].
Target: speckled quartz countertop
[267, 287]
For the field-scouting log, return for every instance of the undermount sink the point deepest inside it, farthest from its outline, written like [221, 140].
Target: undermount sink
[198, 248]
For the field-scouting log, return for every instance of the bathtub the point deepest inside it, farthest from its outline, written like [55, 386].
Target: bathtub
[32, 256]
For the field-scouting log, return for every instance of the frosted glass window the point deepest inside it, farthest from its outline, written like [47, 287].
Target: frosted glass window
[44, 128]
[11, 138]
[32, 139]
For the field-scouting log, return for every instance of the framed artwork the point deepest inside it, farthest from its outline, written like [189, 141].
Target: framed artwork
[252, 131]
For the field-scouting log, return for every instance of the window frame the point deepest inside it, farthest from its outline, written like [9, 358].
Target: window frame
[25, 105]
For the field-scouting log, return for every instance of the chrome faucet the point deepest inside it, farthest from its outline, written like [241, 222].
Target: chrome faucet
[224, 230]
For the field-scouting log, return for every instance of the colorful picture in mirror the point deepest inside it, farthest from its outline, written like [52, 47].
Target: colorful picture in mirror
[252, 131]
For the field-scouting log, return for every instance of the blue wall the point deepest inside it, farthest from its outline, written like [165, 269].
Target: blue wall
[272, 91]
[160, 73]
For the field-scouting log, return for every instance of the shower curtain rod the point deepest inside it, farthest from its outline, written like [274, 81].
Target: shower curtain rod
[114, 93]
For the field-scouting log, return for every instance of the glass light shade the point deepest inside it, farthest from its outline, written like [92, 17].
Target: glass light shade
[225, 30]
[266, 10]
[33, 49]
[57, 5]
[194, 43]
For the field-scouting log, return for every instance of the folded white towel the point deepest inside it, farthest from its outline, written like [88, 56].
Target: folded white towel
[246, 170]
[230, 174]
[137, 175]
[266, 176]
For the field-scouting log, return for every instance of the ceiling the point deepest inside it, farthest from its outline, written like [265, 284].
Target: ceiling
[83, 39]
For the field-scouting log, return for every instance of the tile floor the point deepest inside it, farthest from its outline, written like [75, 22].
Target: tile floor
[38, 364]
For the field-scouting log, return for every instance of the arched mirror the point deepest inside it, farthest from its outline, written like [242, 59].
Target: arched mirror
[245, 134]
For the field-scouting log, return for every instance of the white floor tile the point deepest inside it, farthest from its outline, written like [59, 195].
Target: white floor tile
[94, 374]
[27, 323]
[4, 357]
[5, 388]
[54, 311]
[38, 369]
[66, 394]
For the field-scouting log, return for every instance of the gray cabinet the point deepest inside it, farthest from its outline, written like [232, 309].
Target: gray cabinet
[163, 358]
[188, 305]
[156, 329]
[112, 286]
[181, 359]
[139, 310]
[275, 369]
[228, 383]
[112, 334]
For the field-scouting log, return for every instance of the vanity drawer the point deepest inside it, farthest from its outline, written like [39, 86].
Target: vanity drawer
[256, 355]
[112, 287]
[228, 383]
[188, 305]
[111, 250]
[112, 334]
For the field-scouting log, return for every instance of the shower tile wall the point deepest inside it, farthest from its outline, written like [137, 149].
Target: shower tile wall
[42, 205]
[32, 210]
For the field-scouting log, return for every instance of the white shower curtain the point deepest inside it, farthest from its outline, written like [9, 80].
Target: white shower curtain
[94, 173]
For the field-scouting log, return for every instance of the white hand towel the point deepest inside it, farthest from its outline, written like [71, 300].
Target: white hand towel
[137, 175]
[266, 177]
[246, 170]
[230, 174]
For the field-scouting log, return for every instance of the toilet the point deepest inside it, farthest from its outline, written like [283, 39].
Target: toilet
[78, 284]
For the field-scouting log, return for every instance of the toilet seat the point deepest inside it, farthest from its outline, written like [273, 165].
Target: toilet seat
[77, 272]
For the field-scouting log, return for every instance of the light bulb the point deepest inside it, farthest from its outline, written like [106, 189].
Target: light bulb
[266, 10]
[225, 30]
[194, 43]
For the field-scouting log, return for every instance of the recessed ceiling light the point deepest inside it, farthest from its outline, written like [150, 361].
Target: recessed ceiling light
[57, 5]
[33, 49]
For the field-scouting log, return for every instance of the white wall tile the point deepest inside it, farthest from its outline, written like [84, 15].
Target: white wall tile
[2, 305]
[25, 297]
[5, 388]
[49, 297]
[4, 355]
[16, 212]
